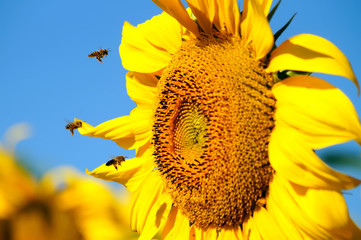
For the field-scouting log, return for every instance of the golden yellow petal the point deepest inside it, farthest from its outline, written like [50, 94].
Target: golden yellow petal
[196, 233]
[250, 231]
[176, 9]
[142, 125]
[229, 16]
[311, 53]
[143, 200]
[293, 200]
[53, 178]
[157, 217]
[246, 229]
[321, 112]
[228, 233]
[281, 218]
[130, 173]
[210, 233]
[90, 202]
[124, 137]
[205, 12]
[266, 225]
[265, 5]
[129, 132]
[255, 28]
[138, 54]
[162, 31]
[355, 230]
[288, 204]
[177, 226]
[16, 186]
[141, 88]
[332, 216]
[296, 161]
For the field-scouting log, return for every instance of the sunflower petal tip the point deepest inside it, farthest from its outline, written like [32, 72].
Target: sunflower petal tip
[358, 87]
[127, 24]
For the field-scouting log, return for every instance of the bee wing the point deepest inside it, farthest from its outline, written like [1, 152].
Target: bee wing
[67, 122]
[114, 156]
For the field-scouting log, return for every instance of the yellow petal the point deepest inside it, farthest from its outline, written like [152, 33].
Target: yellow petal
[265, 5]
[89, 201]
[311, 53]
[205, 12]
[281, 218]
[140, 55]
[229, 16]
[246, 228]
[196, 233]
[332, 216]
[317, 213]
[16, 186]
[157, 217]
[177, 226]
[321, 112]
[266, 225]
[141, 88]
[129, 132]
[355, 230]
[282, 193]
[255, 28]
[250, 231]
[143, 200]
[176, 9]
[142, 125]
[292, 157]
[163, 31]
[211, 234]
[233, 233]
[130, 173]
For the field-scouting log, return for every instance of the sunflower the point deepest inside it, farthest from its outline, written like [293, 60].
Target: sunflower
[63, 205]
[226, 125]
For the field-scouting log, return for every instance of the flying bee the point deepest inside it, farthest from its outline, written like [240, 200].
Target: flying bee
[72, 126]
[99, 54]
[117, 161]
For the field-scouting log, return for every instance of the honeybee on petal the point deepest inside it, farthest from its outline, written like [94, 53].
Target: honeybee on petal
[99, 54]
[117, 161]
[71, 126]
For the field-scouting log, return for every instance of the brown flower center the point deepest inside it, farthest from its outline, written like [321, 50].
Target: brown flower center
[211, 132]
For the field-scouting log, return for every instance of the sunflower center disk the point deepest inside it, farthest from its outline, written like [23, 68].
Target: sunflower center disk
[211, 132]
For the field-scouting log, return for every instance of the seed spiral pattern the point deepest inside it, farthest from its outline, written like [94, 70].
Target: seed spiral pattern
[212, 126]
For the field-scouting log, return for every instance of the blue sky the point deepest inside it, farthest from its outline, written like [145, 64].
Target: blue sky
[47, 77]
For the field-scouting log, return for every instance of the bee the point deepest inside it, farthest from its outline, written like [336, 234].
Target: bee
[72, 126]
[117, 161]
[99, 54]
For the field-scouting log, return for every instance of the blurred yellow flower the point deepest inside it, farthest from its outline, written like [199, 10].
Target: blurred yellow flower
[226, 125]
[63, 205]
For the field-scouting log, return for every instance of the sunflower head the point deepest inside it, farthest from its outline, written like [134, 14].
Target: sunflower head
[211, 129]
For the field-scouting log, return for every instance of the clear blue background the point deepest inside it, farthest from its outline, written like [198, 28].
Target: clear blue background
[47, 77]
